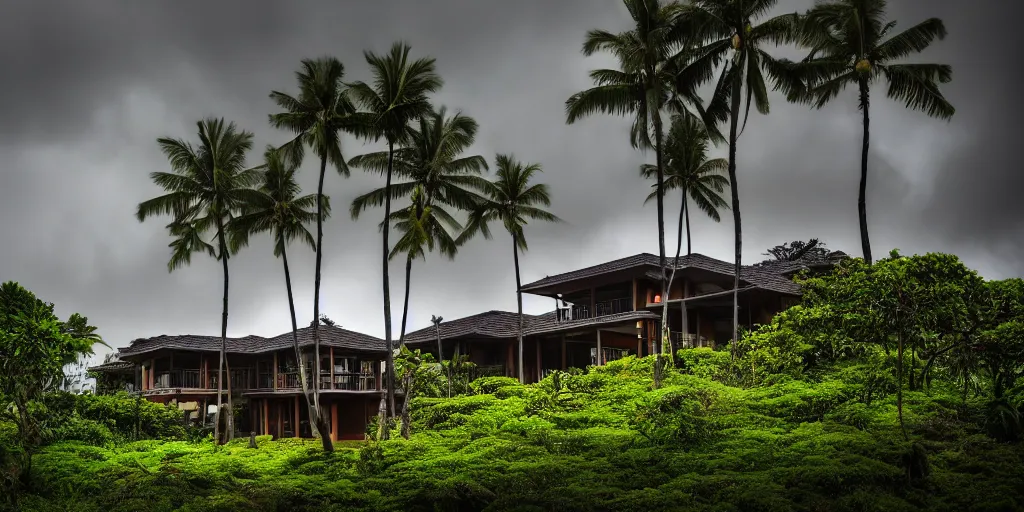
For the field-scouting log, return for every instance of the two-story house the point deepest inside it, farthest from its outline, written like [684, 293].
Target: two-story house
[610, 310]
[601, 313]
[263, 376]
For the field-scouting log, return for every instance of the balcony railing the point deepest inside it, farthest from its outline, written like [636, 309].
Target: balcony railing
[689, 340]
[177, 379]
[603, 308]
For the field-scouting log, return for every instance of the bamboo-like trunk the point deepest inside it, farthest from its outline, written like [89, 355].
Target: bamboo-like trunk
[862, 209]
[519, 301]
[737, 224]
[314, 413]
[390, 365]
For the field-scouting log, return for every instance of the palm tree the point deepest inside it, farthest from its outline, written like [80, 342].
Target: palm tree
[727, 34]
[438, 178]
[398, 95]
[852, 44]
[650, 57]
[689, 170]
[277, 208]
[206, 188]
[512, 200]
[318, 116]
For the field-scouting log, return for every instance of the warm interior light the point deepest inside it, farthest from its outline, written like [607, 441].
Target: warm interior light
[657, 299]
[639, 324]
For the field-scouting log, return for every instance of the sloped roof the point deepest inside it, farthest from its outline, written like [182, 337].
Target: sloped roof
[330, 336]
[767, 276]
[113, 367]
[504, 324]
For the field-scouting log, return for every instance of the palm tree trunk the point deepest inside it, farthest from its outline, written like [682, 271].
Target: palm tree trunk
[316, 289]
[689, 245]
[223, 333]
[229, 423]
[733, 122]
[862, 209]
[314, 414]
[899, 383]
[519, 301]
[405, 307]
[390, 365]
[674, 344]
[659, 157]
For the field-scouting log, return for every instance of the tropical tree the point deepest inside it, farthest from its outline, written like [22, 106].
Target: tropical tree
[728, 36]
[205, 190]
[652, 76]
[398, 95]
[852, 43]
[277, 208]
[36, 346]
[437, 179]
[688, 169]
[513, 200]
[318, 116]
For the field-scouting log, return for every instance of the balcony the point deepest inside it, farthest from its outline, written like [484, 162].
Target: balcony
[190, 379]
[689, 340]
[603, 308]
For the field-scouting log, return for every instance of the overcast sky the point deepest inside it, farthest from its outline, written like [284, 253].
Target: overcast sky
[87, 87]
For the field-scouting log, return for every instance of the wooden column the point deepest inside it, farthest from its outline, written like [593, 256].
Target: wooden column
[152, 373]
[510, 358]
[295, 423]
[563, 353]
[593, 303]
[332, 369]
[599, 359]
[634, 294]
[145, 378]
[274, 371]
[266, 416]
[334, 421]
[538, 361]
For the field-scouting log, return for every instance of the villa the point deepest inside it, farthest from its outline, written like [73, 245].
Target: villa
[601, 313]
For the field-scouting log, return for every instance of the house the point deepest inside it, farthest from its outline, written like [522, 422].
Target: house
[601, 313]
[611, 310]
[263, 378]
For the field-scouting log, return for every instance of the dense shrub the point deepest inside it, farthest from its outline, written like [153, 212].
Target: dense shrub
[95, 418]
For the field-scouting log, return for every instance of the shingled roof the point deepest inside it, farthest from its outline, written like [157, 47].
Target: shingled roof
[504, 324]
[769, 277]
[330, 336]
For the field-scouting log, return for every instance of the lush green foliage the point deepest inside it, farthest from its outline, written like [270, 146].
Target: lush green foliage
[601, 440]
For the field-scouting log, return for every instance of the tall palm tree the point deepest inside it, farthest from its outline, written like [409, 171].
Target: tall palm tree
[852, 44]
[399, 94]
[512, 200]
[689, 170]
[277, 208]
[725, 28]
[318, 116]
[205, 190]
[437, 178]
[649, 58]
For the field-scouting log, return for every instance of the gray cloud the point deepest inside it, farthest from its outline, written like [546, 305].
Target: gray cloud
[88, 87]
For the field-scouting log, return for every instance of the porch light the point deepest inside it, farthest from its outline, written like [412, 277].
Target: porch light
[639, 324]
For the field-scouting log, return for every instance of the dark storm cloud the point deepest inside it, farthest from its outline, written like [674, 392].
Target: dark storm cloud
[88, 86]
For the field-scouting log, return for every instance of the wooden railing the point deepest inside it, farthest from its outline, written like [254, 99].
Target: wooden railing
[689, 340]
[191, 379]
[603, 308]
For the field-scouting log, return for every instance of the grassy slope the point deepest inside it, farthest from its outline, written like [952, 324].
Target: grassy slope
[600, 441]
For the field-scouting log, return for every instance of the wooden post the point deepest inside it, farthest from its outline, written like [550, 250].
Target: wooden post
[334, 421]
[274, 371]
[266, 416]
[152, 373]
[538, 360]
[510, 358]
[563, 353]
[599, 358]
[593, 302]
[332, 369]
[634, 294]
[145, 378]
[295, 424]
